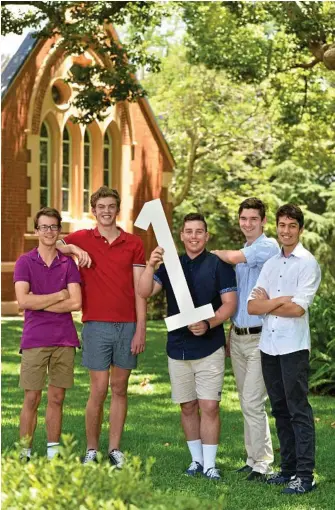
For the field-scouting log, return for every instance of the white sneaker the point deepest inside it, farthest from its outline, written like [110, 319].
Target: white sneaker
[91, 456]
[116, 458]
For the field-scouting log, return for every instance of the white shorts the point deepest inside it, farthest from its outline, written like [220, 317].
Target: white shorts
[198, 378]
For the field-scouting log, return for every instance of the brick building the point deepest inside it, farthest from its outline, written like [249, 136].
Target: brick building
[48, 160]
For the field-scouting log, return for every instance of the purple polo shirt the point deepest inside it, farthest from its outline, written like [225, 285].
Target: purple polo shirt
[41, 328]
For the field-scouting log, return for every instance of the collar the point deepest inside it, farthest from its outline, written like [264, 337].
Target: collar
[297, 252]
[260, 238]
[120, 239]
[59, 259]
[198, 259]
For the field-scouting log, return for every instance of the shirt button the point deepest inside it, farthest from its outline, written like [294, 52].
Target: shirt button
[284, 262]
[278, 290]
[273, 331]
[280, 276]
[105, 241]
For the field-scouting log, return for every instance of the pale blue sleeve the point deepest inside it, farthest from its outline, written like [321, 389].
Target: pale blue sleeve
[258, 253]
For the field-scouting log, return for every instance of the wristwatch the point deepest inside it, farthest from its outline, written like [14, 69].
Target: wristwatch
[208, 325]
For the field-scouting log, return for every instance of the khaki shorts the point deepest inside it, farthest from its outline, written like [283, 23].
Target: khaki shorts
[58, 362]
[198, 378]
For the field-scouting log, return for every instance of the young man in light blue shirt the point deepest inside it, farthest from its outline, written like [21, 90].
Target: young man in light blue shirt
[245, 337]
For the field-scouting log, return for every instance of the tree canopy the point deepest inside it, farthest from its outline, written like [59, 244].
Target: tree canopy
[230, 142]
[84, 25]
[251, 41]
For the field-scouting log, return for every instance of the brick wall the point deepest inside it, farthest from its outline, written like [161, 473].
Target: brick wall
[148, 165]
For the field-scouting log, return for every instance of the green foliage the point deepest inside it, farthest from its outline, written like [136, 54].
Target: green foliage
[251, 40]
[157, 307]
[82, 25]
[65, 483]
[322, 324]
[230, 142]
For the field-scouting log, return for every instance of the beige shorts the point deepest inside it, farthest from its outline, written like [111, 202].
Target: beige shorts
[58, 362]
[198, 378]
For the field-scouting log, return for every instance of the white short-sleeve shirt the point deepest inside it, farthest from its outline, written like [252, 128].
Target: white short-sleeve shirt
[298, 275]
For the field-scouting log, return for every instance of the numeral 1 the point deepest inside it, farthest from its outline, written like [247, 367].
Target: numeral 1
[153, 213]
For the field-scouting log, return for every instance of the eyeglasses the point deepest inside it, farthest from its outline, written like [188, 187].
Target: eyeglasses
[45, 228]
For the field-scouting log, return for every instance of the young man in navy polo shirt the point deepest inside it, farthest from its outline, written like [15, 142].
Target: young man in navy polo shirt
[196, 352]
[114, 316]
[47, 286]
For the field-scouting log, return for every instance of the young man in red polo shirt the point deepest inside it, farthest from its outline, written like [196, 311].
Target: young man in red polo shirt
[114, 314]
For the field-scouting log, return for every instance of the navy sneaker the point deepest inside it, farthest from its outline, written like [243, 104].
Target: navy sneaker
[213, 473]
[244, 469]
[299, 486]
[280, 478]
[194, 468]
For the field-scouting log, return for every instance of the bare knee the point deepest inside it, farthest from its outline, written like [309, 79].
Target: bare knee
[56, 397]
[189, 408]
[119, 387]
[209, 407]
[32, 399]
[99, 393]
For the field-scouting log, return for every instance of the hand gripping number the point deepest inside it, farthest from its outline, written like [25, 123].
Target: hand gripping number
[153, 213]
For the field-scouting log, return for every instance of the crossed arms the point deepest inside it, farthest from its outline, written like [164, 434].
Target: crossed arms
[66, 300]
[282, 306]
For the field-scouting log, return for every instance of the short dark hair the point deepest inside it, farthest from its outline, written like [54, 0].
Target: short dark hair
[194, 217]
[291, 211]
[104, 192]
[253, 203]
[47, 211]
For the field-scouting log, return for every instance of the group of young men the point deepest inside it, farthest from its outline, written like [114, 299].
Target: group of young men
[267, 297]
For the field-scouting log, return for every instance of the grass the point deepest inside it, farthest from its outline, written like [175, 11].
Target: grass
[153, 429]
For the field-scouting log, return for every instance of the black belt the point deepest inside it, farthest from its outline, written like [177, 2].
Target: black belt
[247, 331]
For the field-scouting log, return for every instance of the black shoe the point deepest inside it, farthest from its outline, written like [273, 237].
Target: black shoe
[255, 476]
[244, 469]
[91, 456]
[116, 458]
[279, 478]
[299, 486]
[24, 458]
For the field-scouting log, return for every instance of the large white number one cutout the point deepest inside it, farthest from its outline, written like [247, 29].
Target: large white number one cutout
[153, 212]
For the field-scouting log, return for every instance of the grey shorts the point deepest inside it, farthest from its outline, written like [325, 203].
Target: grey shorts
[108, 343]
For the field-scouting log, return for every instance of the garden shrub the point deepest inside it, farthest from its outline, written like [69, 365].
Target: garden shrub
[65, 484]
[322, 324]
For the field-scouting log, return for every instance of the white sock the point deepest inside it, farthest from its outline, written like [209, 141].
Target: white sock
[195, 448]
[25, 452]
[209, 452]
[52, 450]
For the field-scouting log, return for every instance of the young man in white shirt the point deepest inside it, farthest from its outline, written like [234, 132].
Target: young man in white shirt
[283, 293]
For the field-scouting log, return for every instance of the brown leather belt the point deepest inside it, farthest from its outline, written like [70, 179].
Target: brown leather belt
[247, 331]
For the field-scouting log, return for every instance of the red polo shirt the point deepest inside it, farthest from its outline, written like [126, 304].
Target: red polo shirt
[108, 285]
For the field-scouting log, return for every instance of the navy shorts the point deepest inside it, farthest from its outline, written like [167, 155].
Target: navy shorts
[108, 343]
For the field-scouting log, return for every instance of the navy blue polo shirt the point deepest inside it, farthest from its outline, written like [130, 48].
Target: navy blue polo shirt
[207, 278]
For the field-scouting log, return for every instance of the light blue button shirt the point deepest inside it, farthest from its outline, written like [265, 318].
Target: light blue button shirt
[247, 273]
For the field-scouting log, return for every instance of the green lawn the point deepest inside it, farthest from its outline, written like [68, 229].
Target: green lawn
[153, 429]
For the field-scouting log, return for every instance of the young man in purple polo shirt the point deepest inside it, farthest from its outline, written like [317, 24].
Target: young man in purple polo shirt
[47, 287]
